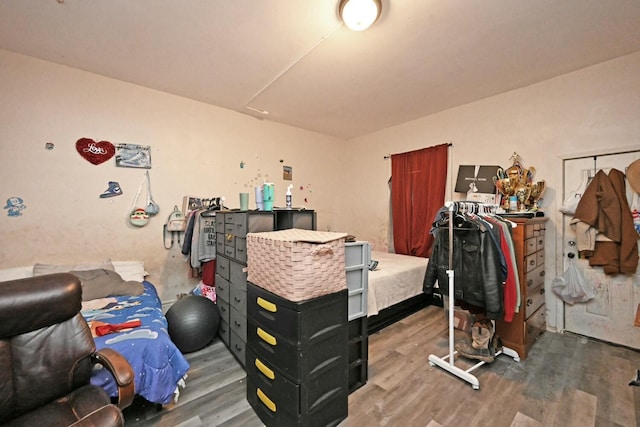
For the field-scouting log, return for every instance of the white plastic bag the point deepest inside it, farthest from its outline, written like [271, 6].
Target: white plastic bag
[572, 287]
[570, 203]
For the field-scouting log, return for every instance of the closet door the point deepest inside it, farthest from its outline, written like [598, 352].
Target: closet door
[610, 315]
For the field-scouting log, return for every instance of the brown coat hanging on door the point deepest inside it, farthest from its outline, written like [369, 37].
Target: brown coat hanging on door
[604, 226]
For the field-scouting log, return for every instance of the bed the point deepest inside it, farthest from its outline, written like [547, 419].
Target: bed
[394, 289]
[159, 366]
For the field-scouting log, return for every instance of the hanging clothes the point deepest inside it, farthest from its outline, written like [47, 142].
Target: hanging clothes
[206, 243]
[476, 264]
[484, 263]
[512, 296]
[605, 233]
[199, 244]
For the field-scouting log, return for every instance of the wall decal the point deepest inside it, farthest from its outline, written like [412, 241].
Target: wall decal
[95, 152]
[257, 180]
[287, 173]
[113, 190]
[14, 206]
[133, 156]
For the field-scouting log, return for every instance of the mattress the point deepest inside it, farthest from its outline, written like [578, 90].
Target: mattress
[158, 365]
[395, 279]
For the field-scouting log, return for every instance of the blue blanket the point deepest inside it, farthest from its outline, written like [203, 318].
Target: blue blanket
[157, 363]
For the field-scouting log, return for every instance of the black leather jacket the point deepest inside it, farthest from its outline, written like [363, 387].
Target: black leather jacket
[476, 266]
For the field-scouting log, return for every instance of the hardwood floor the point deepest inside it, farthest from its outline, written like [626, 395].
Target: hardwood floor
[567, 380]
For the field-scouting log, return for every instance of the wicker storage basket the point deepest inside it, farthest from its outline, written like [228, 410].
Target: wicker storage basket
[297, 264]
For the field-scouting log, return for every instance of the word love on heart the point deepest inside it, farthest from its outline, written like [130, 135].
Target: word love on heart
[95, 152]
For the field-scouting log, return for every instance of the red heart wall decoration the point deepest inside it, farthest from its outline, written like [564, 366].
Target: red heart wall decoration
[95, 152]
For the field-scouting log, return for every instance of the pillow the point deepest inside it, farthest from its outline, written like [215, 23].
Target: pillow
[42, 269]
[130, 270]
[102, 283]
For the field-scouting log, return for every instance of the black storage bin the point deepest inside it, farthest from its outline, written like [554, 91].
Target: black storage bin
[302, 397]
[297, 358]
[302, 322]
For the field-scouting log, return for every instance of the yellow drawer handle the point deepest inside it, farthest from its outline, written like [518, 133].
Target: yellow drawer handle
[269, 306]
[268, 338]
[266, 371]
[264, 399]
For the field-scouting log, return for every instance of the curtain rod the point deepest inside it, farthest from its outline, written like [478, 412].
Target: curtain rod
[388, 156]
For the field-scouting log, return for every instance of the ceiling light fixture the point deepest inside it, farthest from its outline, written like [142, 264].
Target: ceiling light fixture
[359, 15]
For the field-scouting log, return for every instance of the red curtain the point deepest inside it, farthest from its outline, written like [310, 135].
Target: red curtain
[418, 183]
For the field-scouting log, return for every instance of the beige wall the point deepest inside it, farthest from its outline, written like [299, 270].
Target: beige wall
[196, 150]
[593, 110]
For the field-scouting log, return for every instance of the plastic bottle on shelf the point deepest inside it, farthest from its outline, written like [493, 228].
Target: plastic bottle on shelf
[288, 196]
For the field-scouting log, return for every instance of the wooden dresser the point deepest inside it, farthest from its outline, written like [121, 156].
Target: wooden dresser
[530, 321]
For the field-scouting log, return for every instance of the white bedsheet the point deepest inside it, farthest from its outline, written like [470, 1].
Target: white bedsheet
[397, 278]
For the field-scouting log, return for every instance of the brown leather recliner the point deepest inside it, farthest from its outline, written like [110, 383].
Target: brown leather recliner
[46, 357]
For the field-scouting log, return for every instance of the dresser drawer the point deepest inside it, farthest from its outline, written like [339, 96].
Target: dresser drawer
[241, 249]
[278, 393]
[220, 221]
[222, 267]
[357, 304]
[535, 277]
[236, 223]
[238, 347]
[530, 245]
[297, 362]
[237, 274]
[530, 262]
[222, 288]
[224, 333]
[535, 324]
[357, 279]
[329, 411]
[291, 397]
[238, 323]
[220, 242]
[540, 243]
[534, 260]
[301, 323]
[230, 251]
[357, 254]
[225, 310]
[529, 231]
[535, 299]
[238, 299]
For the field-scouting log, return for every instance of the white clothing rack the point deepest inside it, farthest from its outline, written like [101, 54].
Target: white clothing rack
[447, 362]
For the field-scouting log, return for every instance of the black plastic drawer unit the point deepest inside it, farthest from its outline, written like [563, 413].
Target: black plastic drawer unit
[297, 358]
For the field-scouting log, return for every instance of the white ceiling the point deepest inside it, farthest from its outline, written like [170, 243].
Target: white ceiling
[295, 60]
